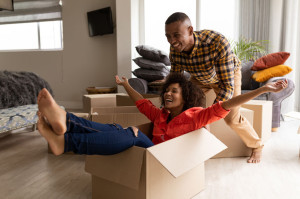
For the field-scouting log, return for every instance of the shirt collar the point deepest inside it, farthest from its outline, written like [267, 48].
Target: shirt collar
[196, 44]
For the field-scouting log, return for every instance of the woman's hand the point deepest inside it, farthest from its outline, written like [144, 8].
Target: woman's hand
[243, 98]
[120, 82]
[134, 95]
[276, 86]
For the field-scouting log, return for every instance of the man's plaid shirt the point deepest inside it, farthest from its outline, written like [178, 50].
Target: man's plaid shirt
[211, 61]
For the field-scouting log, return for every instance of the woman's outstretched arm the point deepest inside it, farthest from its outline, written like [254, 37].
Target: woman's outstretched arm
[133, 94]
[241, 99]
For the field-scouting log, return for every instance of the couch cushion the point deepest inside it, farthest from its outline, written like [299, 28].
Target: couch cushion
[149, 64]
[275, 71]
[247, 82]
[150, 75]
[153, 54]
[270, 60]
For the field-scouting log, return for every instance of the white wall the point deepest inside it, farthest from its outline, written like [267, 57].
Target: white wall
[84, 61]
[128, 28]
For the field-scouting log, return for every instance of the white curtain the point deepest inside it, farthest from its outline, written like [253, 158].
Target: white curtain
[284, 36]
[254, 18]
[32, 11]
[279, 22]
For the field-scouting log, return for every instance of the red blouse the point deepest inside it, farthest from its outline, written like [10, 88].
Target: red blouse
[189, 120]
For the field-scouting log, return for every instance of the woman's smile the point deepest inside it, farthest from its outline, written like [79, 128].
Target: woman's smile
[173, 98]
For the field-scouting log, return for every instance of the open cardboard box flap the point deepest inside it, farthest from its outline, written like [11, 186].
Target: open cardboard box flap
[185, 152]
[123, 168]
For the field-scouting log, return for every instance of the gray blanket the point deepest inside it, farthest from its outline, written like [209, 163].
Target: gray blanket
[20, 88]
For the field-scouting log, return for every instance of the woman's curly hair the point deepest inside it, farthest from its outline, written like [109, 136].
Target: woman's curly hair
[191, 94]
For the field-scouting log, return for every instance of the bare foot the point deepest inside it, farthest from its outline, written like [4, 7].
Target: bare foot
[56, 142]
[54, 114]
[255, 156]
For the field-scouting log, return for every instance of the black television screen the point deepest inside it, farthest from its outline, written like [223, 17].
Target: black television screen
[100, 22]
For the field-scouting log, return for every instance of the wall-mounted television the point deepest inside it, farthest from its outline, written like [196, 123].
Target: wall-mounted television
[100, 22]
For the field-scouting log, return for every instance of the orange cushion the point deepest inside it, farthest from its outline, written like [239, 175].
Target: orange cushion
[275, 71]
[270, 60]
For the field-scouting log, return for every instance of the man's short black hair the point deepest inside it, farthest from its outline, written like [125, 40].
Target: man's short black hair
[177, 16]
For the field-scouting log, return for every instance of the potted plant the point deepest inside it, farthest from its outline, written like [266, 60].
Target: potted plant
[246, 49]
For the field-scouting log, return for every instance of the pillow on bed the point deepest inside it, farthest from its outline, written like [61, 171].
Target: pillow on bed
[153, 54]
[150, 75]
[149, 64]
[275, 71]
[270, 60]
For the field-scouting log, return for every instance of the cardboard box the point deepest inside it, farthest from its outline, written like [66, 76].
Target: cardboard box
[124, 115]
[236, 147]
[173, 169]
[112, 100]
[262, 122]
[124, 100]
[98, 100]
[83, 115]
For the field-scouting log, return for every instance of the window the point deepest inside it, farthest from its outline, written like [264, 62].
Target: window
[221, 16]
[34, 25]
[31, 36]
[156, 13]
[218, 15]
[50, 35]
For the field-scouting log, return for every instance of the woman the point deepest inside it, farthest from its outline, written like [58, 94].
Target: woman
[181, 113]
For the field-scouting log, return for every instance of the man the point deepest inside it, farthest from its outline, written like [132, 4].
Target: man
[207, 56]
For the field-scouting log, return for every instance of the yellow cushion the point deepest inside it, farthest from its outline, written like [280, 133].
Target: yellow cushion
[275, 71]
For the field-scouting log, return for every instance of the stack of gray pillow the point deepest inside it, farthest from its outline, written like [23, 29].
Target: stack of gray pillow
[153, 63]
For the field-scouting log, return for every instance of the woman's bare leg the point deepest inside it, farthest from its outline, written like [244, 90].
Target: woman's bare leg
[54, 114]
[56, 142]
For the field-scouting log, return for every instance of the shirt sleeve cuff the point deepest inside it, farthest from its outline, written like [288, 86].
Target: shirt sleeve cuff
[220, 109]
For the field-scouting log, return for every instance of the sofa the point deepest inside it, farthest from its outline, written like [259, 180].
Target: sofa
[249, 84]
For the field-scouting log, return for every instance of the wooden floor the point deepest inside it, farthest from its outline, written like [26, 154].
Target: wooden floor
[28, 171]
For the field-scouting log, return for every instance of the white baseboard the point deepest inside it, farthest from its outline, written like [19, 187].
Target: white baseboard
[71, 104]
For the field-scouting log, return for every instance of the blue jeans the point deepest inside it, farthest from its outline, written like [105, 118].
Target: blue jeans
[87, 137]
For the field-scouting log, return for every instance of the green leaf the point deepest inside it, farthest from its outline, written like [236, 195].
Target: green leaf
[246, 49]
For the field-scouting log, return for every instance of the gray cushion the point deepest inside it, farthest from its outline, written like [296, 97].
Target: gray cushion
[247, 82]
[140, 85]
[150, 75]
[149, 64]
[153, 54]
